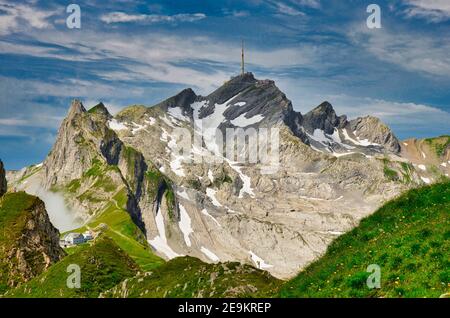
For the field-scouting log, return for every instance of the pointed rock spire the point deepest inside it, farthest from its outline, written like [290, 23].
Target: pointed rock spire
[76, 108]
[323, 117]
[100, 109]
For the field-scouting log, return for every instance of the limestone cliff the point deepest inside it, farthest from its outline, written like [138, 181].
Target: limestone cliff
[29, 243]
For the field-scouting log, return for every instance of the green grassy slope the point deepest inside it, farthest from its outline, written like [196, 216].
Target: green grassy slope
[18, 260]
[116, 222]
[190, 277]
[103, 265]
[409, 238]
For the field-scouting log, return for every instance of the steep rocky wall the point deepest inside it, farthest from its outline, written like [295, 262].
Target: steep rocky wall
[2, 179]
[31, 244]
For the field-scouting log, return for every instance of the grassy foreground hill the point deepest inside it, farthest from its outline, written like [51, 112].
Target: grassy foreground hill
[409, 238]
[189, 277]
[102, 265]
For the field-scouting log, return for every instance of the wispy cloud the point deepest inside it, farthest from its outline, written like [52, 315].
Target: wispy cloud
[431, 10]
[17, 17]
[307, 3]
[411, 51]
[160, 56]
[288, 10]
[122, 17]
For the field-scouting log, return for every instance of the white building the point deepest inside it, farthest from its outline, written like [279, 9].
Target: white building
[88, 236]
[74, 238]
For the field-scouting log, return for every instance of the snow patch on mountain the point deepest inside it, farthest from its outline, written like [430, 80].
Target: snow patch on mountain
[213, 257]
[210, 175]
[116, 125]
[183, 194]
[151, 121]
[426, 180]
[243, 121]
[167, 121]
[159, 243]
[185, 225]
[359, 142]
[211, 193]
[177, 113]
[205, 212]
[208, 125]
[422, 167]
[246, 187]
[259, 262]
[137, 128]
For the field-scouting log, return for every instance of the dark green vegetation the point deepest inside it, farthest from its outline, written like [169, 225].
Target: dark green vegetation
[190, 277]
[222, 178]
[103, 265]
[131, 113]
[390, 174]
[157, 182]
[409, 238]
[440, 144]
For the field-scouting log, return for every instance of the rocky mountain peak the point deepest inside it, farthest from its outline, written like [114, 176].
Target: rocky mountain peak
[323, 117]
[325, 107]
[100, 109]
[231, 88]
[374, 130]
[2, 179]
[76, 107]
[183, 99]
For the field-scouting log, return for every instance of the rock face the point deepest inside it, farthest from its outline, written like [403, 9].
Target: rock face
[323, 117]
[373, 130]
[30, 244]
[330, 173]
[3, 184]
[81, 162]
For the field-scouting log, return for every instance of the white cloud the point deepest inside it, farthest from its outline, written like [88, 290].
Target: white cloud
[413, 52]
[121, 17]
[18, 16]
[160, 56]
[12, 122]
[431, 10]
[288, 10]
[307, 3]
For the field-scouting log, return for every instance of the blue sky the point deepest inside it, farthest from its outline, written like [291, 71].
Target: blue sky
[140, 52]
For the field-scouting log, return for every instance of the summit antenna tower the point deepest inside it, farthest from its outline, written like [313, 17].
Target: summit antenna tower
[242, 59]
